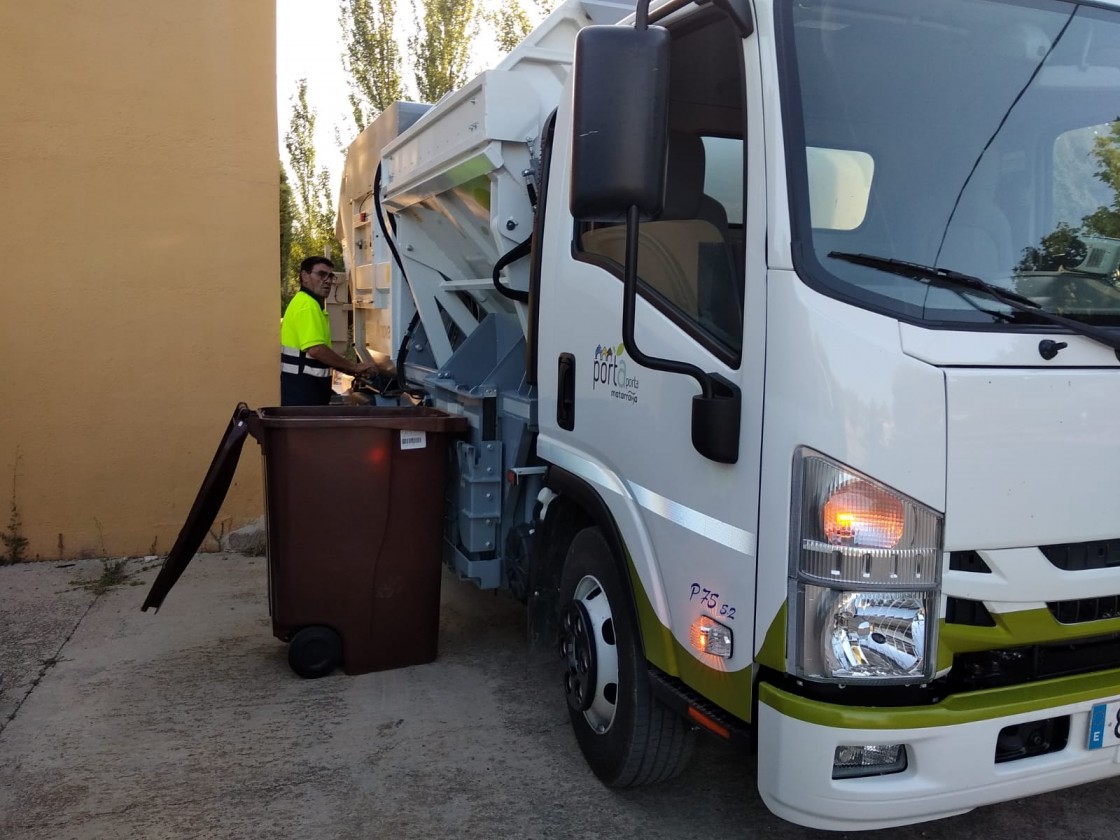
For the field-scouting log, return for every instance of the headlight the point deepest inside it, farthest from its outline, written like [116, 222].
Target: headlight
[865, 572]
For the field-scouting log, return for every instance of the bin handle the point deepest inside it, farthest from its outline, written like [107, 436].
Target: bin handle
[250, 418]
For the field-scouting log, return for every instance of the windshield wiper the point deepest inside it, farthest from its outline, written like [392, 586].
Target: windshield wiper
[956, 280]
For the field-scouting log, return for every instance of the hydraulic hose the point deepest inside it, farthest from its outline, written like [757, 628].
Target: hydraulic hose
[402, 351]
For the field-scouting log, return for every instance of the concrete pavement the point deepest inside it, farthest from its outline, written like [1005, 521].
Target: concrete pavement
[188, 724]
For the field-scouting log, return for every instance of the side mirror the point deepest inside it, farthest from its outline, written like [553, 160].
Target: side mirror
[620, 122]
[716, 421]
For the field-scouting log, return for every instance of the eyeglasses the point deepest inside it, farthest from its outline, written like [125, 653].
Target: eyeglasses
[322, 275]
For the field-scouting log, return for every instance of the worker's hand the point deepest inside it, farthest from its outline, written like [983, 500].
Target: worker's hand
[365, 369]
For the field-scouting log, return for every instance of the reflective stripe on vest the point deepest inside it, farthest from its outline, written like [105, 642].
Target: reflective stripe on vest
[293, 360]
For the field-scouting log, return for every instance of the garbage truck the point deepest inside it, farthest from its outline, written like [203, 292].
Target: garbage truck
[793, 393]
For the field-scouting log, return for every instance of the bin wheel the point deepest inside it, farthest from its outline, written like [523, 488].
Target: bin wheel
[627, 735]
[315, 652]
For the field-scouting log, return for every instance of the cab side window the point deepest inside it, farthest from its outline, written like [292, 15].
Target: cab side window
[690, 258]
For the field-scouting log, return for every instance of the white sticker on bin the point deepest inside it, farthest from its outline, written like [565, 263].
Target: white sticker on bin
[413, 440]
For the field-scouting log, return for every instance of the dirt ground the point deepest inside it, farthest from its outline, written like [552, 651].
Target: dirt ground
[189, 724]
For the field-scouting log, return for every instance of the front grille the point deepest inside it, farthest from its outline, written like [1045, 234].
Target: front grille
[1080, 557]
[1085, 609]
[968, 561]
[1013, 666]
[970, 613]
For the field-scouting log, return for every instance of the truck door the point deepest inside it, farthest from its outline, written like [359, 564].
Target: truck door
[688, 523]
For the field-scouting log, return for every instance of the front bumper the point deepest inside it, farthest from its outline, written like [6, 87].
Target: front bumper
[950, 748]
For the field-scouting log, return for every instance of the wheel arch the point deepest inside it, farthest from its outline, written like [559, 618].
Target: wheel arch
[578, 505]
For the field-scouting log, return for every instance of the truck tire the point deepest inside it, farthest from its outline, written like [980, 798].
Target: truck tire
[628, 736]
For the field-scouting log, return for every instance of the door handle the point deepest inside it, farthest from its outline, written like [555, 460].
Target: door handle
[566, 392]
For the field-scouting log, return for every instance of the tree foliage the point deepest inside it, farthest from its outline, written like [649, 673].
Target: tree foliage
[1105, 220]
[1053, 267]
[287, 217]
[513, 20]
[371, 57]
[441, 50]
[511, 24]
[313, 214]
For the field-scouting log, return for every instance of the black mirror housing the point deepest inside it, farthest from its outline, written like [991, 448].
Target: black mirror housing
[716, 421]
[619, 122]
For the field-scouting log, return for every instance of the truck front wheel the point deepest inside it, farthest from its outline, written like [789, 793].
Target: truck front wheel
[627, 735]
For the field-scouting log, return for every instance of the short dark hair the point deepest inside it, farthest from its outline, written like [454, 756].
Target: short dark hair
[309, 264]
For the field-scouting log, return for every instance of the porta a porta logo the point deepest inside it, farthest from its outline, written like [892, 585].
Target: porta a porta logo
[609, 369]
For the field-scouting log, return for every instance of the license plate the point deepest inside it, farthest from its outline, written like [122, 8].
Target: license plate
[1104, 725]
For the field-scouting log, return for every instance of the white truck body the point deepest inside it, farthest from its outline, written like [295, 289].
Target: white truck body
[937, 401]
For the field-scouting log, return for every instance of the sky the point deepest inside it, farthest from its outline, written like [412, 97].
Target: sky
[309, 46]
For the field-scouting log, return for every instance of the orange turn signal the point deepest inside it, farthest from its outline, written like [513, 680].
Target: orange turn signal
[859, 513]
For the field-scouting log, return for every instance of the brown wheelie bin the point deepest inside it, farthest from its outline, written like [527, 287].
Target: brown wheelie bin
[354, 501]
[354, 496]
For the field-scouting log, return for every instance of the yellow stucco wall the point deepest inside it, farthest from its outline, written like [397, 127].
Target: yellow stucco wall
[139, 244]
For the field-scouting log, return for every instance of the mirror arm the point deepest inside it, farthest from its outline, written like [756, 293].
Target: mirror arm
[629, 305]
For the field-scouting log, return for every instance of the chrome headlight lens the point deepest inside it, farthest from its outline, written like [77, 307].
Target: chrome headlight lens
[865, 574]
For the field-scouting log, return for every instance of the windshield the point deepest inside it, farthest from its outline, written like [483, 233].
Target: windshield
[981, 137]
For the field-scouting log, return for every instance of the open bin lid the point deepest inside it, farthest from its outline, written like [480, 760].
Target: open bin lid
[245, 421]
[206, 505]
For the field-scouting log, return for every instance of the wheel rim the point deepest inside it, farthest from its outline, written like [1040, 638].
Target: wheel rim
[590, 652]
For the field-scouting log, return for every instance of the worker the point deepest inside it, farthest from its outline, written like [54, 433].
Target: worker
[306, 356]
